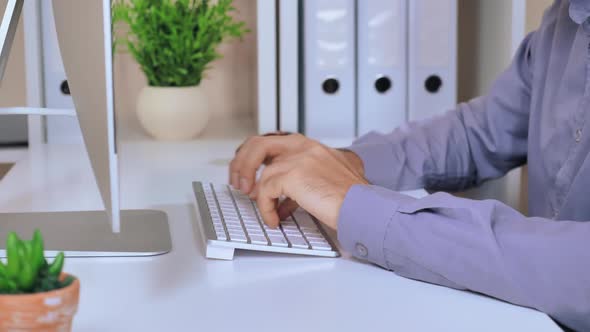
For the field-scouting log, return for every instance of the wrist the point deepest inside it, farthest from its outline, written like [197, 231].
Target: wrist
[354, 161]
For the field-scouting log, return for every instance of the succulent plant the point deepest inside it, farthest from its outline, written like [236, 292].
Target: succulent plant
[27, 271]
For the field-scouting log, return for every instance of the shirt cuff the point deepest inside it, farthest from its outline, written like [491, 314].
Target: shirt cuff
[364, 218]
[378, 162]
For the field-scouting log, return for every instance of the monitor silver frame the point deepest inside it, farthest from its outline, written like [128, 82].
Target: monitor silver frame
[87, 233]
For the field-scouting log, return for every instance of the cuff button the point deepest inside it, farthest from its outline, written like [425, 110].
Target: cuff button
[361, 250]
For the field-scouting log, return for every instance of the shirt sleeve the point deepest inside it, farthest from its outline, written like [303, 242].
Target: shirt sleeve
[480, 140]
[481, 246]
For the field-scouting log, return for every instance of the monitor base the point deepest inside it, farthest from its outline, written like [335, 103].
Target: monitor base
[88, 233]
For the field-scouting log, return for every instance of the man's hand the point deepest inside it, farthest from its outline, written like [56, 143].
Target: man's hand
[304, 171]
[262, 150]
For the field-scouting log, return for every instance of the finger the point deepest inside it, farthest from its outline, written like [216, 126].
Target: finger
[281, 164]
[250, 162]
[242, 153]
[254, 193]
[256, 152]
[270, 188]
[235, 180]
[233, 175]
[267, 202]
[286, 208]
[239, 147]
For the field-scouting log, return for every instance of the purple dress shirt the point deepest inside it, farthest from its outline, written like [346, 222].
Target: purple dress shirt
[536, 114]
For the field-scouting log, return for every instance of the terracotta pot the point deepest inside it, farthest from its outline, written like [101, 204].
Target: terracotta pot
[48, 312]
[173, 113]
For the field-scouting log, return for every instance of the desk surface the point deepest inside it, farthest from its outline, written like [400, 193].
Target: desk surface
[183, 291]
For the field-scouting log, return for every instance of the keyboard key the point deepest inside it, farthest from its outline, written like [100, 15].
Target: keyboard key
[238, 239]
[292, 232]
[232, 220]
[249, 217]
[278, 241]
[313, 235]
[258, 239]
[254, 229]
[298, 242]
[324, 245]
[259, 234]
[293, 236]
[273, 231]
[236, 233]
[255, 233]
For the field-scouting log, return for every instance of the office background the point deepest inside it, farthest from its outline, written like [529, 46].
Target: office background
[484, 51]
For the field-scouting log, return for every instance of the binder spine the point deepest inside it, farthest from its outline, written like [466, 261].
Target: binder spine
[288, 65]
[268, 92]
[432, 48]
[329, 68]
[382, 65]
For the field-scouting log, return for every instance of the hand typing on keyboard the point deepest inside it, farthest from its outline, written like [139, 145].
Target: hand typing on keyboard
[307, 173]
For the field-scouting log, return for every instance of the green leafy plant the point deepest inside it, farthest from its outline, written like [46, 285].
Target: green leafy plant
[26, 269]
[173, 41]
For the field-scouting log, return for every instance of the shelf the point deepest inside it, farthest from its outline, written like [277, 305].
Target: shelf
[219, 128]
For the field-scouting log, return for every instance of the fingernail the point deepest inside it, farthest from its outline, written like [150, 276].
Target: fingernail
[244, 185]
[234, 180]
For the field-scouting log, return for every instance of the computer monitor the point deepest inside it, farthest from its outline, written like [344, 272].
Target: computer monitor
[85, 43]
[84, 33]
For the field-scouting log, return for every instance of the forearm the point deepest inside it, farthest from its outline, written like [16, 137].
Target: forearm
[427, 154]
[482, 246]
[479, 140]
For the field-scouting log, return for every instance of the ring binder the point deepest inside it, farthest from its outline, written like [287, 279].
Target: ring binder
[432, 47]
[329, 68]
[382, 65]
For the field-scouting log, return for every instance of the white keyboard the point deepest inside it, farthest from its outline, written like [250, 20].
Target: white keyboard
[230, 220]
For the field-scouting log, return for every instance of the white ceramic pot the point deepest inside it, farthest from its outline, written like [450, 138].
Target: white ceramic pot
[173, 113]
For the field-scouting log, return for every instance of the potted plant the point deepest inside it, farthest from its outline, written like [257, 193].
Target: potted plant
[35, 295]
[174, 41]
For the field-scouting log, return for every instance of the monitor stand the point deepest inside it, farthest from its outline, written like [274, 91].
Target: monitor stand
[88, 233]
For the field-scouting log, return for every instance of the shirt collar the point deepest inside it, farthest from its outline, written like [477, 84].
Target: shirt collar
[579, 10]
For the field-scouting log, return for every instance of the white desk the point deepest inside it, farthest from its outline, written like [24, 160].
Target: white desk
[182, 291]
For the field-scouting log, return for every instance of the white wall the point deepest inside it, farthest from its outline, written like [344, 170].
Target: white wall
[12, 90]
